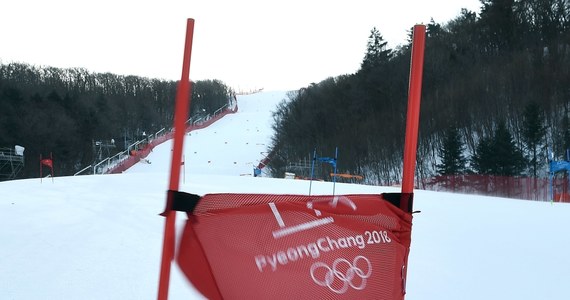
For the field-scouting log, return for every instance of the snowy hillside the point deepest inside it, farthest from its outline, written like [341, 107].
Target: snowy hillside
[100, 236]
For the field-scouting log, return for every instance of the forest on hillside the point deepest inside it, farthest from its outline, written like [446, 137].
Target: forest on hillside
[66, 111]
[495, 100]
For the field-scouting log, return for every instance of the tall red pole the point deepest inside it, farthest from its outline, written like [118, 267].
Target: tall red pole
[180, 117]
[413, 117]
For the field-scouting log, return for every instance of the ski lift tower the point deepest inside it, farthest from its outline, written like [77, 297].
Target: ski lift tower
[11, 162]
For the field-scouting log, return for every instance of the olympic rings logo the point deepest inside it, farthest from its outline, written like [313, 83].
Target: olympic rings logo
[344, 272]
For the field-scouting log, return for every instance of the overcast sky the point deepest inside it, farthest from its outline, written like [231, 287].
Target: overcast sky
[276, 45]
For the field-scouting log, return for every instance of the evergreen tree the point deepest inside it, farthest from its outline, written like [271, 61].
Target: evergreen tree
[377, 52]
[497, 25]
[509, 159]
[483, 160]
[561, 139]
[451, 154]
[533, 133]
[498, 155]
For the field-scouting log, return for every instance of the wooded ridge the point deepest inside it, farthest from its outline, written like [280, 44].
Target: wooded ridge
[496, 86]
[66, 111]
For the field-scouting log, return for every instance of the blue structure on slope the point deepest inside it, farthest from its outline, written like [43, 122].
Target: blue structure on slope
[556, 167]
[329, 160]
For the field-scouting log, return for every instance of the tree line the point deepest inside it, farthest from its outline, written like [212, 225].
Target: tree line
[495, 99]
[63, 111]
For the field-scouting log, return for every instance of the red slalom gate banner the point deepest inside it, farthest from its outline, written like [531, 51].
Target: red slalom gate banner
[48, 162]
[257, 246]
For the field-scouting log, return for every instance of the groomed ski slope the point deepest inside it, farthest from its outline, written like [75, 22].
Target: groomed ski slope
[100, 237]
[231, 146]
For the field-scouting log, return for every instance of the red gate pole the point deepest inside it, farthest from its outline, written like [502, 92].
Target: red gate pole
[51, 158]
[180, 117]
[413, 115]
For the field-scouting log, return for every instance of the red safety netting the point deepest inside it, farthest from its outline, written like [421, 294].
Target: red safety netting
[256, 246]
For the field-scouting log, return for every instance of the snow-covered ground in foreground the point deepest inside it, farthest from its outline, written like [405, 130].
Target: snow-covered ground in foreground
[100, 236]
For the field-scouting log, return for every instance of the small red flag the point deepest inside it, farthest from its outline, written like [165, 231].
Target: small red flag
[47, 162]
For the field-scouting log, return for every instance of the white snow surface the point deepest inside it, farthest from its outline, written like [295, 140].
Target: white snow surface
[100, 236]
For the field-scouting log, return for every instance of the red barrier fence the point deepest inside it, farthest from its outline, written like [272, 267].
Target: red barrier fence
[144, 151]
[526, 188]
